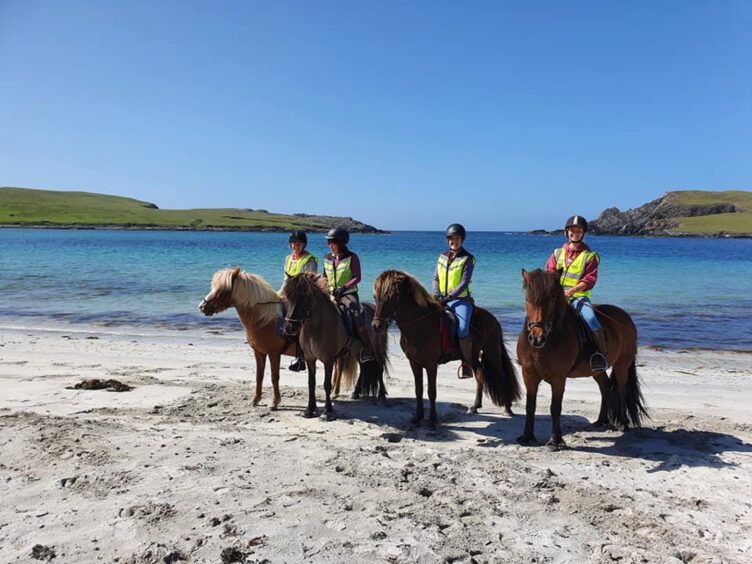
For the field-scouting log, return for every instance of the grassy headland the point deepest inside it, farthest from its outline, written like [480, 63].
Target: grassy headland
[24, 207]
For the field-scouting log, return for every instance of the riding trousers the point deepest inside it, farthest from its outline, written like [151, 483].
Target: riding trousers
[583, 307]
[462, 310]
[352, 303]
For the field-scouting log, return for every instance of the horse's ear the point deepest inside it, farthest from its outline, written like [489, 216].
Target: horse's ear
[524, 275]
[235, 272]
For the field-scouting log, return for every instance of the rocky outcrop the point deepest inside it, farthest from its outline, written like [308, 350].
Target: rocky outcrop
[656, 218]
[329, 221]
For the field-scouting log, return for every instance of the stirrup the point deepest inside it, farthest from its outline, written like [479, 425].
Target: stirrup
[598, 362]
[297, 365]
[461, 373]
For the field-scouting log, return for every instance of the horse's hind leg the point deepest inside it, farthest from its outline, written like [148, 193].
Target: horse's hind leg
[604, 385]
[431, 377]
[337, 378]
[619, 376]
[260, 367]
[557, 395]
[328, 409]
[274, 361]
[478, 403]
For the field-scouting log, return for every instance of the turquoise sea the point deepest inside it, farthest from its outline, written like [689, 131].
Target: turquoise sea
[682, 293]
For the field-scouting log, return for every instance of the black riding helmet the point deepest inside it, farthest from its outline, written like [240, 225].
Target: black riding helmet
[576, 221]
[339, 235]
[456, 229]
[299, 237]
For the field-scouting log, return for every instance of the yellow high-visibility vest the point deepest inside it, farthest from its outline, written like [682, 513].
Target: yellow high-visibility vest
[572, 274]
[299, 266]
[450, 274]
[342, 276]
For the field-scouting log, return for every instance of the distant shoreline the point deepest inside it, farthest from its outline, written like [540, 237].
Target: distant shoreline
[161, 228]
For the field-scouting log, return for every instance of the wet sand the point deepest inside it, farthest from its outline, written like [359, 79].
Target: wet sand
[182, 468]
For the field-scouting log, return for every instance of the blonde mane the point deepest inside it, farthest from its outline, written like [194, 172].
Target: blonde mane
[250, 291]
[388, 284]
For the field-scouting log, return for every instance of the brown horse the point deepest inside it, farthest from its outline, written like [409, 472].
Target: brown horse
[260, 309]
[315, 319]
[401, 298]
[548, 349]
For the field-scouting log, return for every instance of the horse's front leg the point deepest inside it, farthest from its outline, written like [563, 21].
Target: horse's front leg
[431, 377]
[557, 395]
[329, 409]
[418, 377]
[274, 361]
[260, 367]
[310, 411]
[527, 438]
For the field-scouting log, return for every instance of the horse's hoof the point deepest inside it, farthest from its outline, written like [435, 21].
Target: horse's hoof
[526, 440]
[472, 410]
[509, 411]
[556, 445]
[328, 416]
[256, 401]
[273, 407]
[355, 396]
[416, 421]
[598, 426]
[309, 413]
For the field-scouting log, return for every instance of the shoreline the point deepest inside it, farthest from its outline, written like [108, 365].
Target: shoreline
[184, 468]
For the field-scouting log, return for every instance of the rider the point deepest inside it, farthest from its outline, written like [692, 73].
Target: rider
[451, 287]
[577, 265]
[297, 262]
[342, 270]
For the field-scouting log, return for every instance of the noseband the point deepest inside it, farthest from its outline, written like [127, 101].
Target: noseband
[546, 326]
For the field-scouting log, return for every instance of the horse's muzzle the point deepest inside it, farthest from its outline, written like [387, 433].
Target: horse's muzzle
[536, 341]
[206, 308]
[292, 327]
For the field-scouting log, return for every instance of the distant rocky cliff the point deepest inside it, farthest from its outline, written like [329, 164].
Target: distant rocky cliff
[654, 218]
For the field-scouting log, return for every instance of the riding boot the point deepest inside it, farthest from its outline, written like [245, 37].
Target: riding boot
[599, 360]
[466, 348]
[366, 352]
[298, 365]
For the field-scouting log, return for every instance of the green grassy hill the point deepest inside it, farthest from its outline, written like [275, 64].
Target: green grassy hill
[738, 222]
[24, 207]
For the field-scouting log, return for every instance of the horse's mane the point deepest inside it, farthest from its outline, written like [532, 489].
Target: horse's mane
[303, 287]
[542, 288]
[390, 284]
[251, 291]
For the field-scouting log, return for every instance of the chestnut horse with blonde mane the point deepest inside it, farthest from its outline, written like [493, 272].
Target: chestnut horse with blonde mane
[260, 310]
[548, 349]
[401, 298]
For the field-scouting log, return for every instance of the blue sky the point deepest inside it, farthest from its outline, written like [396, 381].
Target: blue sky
[404, 114]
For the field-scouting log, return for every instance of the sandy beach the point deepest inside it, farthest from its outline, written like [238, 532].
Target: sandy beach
[182, 468]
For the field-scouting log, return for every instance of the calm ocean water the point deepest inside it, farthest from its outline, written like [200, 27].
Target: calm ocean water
[681, 292]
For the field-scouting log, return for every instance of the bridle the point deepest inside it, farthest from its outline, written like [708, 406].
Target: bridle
[545, 325]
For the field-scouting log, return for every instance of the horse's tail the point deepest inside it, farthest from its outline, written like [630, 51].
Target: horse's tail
[634, 401]
[348, 366]
[498, 374]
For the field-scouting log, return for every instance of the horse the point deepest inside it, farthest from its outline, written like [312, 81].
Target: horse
[323, 336]
[260, 310]
[548, 349]
[401, 298]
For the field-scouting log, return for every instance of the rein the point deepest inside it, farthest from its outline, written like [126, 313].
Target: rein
[379, 318]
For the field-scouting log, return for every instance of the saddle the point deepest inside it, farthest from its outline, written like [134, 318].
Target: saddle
[450, 348]
[585, 338]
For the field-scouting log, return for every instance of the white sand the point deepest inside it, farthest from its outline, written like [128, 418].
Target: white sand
[183, 468]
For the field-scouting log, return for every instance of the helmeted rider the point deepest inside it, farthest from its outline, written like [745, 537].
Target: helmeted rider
[577, 265]
[297, 262]
[451, 287]
[342, 270]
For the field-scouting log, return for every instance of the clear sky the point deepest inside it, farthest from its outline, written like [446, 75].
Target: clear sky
[405, 114]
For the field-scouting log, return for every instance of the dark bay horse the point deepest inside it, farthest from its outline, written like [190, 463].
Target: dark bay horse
[548, 349]
[313, 316]
[260, 310]
[401, 298]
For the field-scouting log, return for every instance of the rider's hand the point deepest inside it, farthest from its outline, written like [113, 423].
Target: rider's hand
[338, 293]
